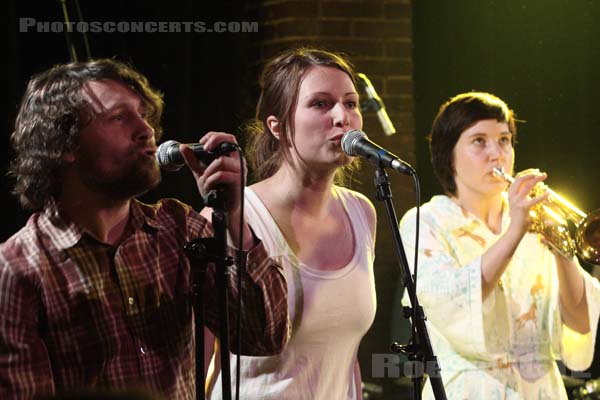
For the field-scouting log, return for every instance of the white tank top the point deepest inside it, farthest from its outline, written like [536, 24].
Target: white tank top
[330, 313]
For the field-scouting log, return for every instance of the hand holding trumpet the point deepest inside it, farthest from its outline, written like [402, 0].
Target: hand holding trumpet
[522, 197]
[565, 228]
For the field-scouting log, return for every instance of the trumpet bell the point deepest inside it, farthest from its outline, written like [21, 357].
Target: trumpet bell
[555, 217]
[587, 238]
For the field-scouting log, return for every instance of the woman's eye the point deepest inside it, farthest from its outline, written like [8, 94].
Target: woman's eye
[117, 117]
[352, 104]
[505, 140]
[318, 103]
[478, 141]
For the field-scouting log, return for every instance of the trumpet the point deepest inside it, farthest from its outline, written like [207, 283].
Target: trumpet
[567, 229]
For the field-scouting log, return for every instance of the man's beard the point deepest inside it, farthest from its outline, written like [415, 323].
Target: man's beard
[135, 178]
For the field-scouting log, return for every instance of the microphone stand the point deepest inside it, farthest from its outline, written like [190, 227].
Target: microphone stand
[205, 250]
[71, 48]
[420, 350]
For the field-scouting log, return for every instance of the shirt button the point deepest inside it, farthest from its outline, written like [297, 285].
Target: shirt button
[131, 301]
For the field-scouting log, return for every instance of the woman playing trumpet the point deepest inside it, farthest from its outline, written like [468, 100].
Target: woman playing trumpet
[501, 306]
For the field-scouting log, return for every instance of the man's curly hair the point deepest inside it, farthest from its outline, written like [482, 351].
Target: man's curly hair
[52, 113]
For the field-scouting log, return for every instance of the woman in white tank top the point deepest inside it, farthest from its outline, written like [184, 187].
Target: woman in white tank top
[322, 234]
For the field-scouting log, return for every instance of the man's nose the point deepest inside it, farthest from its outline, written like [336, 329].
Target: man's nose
[143, 130]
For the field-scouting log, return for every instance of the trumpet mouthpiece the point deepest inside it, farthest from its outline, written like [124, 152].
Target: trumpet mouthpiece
[499, 172]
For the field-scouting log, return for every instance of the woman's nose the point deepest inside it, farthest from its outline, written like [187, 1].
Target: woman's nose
[495, 150]
[340, 115]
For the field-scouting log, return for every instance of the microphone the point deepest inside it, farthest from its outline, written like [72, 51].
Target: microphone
[170, 159]
[356, 143]
[377, 105]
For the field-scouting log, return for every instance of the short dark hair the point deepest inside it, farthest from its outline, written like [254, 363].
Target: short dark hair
[454, 117]
[280, 84]
[52, 113]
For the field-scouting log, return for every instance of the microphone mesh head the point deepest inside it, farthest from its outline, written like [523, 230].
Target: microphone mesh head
[350, 139]
[163, 156]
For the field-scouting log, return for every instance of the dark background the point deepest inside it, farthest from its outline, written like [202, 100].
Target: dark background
[541, 57]
[201, 75]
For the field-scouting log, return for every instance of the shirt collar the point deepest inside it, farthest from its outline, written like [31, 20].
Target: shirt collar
[143, 214]
[456, 217]
[64, 233]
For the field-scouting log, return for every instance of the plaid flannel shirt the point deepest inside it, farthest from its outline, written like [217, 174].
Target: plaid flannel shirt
[76, 313]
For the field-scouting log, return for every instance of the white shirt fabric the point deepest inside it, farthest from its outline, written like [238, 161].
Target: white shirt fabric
[330, 312]
[504, 347]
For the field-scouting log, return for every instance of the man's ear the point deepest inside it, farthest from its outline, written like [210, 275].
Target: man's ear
[274, 126]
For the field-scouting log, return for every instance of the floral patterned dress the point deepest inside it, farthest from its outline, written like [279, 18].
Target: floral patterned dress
[504, 347]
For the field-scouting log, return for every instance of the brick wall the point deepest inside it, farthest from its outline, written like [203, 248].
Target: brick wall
[377, 36]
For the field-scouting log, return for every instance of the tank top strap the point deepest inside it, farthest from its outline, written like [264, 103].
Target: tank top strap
[264, 226]
[352, 202]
